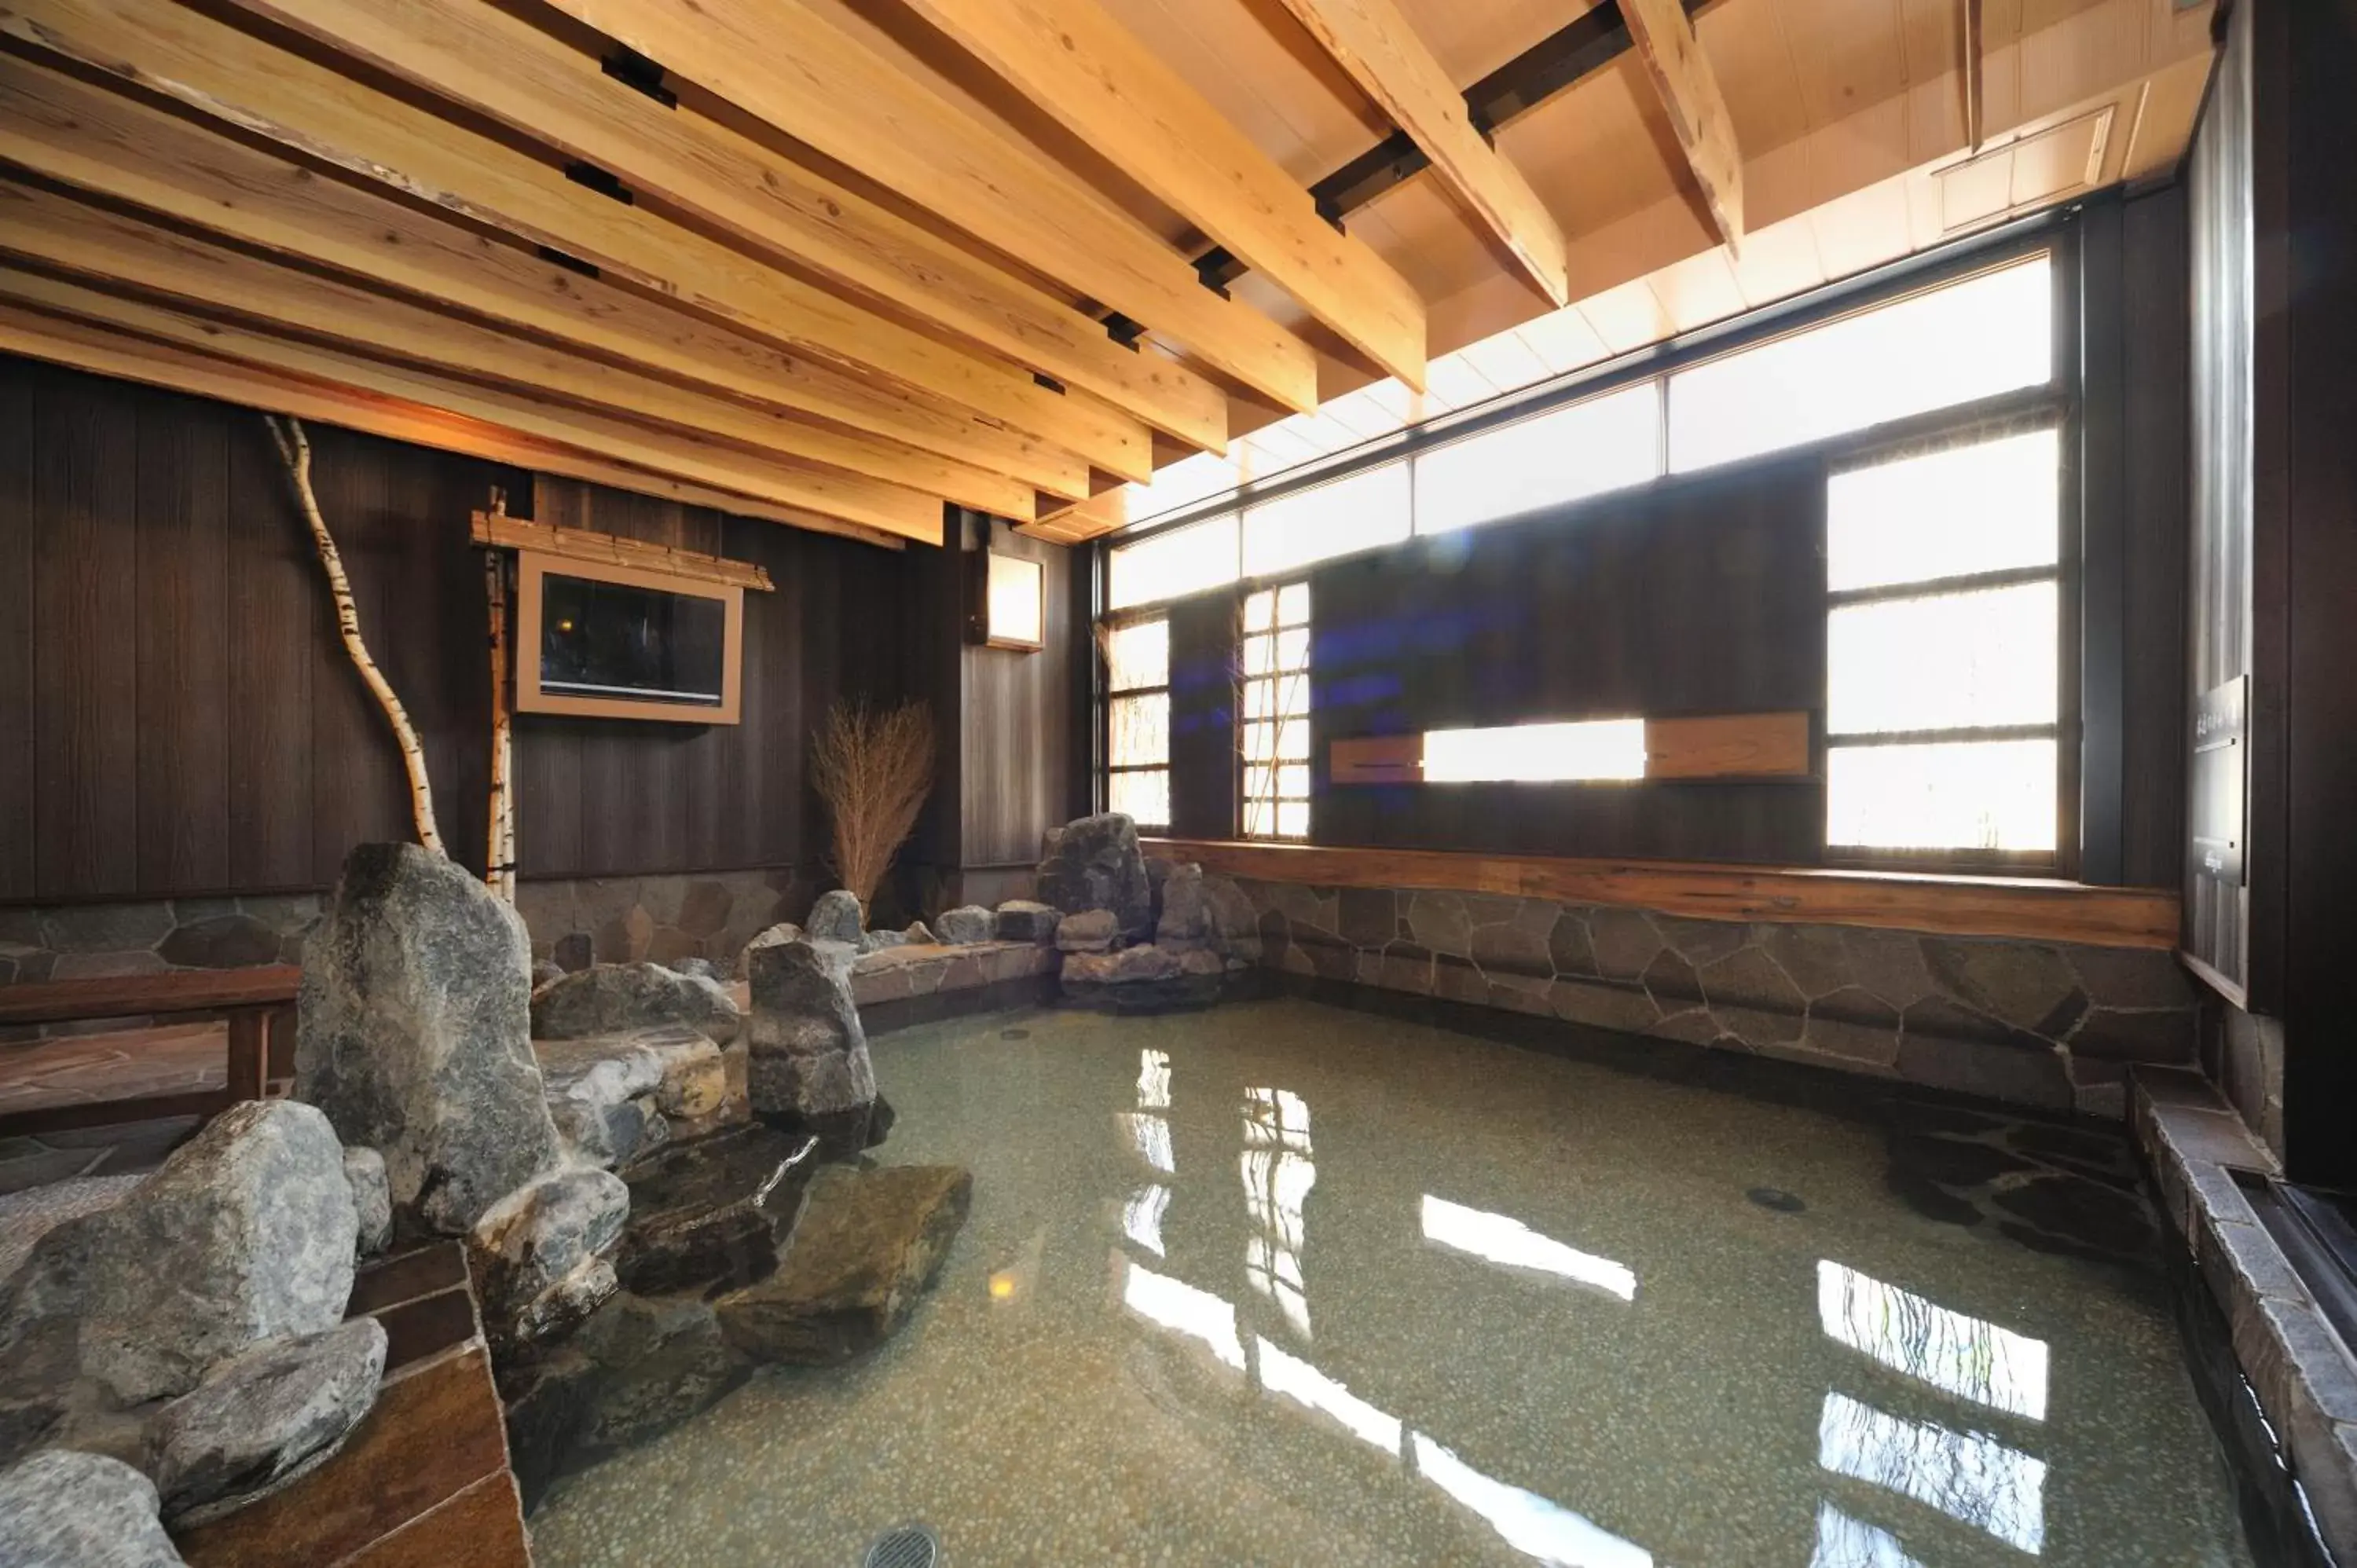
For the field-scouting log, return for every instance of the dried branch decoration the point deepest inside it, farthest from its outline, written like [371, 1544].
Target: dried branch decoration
[873, 768]
[295, 447]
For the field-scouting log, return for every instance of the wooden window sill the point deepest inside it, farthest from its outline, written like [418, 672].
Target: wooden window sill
[2033, 908]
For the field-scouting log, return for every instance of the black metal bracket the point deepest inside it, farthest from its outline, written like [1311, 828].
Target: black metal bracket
[635, 70]
[591, 178]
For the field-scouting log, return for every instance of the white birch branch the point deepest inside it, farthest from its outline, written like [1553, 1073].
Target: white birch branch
[295, 447]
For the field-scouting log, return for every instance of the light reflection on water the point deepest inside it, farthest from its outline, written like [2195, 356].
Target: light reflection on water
[1465, 1228]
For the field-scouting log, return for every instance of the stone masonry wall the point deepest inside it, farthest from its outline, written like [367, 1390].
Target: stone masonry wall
[2039, 1024]
[574, 922]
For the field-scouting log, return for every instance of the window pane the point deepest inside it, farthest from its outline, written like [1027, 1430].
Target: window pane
[1183, 561]
[1604, 444]
[1599, 749]
[1140, 730]
[1972, 339]
[1260, 609]
[1293, 649]
[1942, 662]
[1144, 797]
[1260, 741]
[1293, 605]
[1140, 655]
[1958, 795]
[1982, 507]
[1364, 510]
[1293, 819]
[1293, 739]
[1260, 700]
[1293, 780]
[1259, 817]
[1258, 652]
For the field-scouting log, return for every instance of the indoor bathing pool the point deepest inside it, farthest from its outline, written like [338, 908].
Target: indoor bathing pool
[1284, 1284]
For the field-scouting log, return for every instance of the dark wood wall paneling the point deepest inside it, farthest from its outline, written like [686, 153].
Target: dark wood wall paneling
[1694, 596]
[177, 715]
[1203, 774]
[176, 709]
[1015, 734]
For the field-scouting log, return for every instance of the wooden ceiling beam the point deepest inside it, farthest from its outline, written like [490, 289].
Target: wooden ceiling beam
[893, 508]
[1074, 60]
[1377, 45]
[103, 351]
[49, 229]
[241, 82]
[491, 61]
[1083, 520]
[806, 75]
[126, 152]
[1666, 40]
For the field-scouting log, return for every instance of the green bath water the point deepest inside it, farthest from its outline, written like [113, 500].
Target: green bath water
[1284, 1283]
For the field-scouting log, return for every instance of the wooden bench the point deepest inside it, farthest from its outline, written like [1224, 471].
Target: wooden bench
[243, 998]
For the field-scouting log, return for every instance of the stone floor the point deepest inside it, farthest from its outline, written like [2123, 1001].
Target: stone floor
[1284, 1284]
[119, 1064]
[132, 1149]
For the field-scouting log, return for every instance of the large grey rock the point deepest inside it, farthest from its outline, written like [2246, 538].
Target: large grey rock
[660, 1361]
[1025, 920]
[783, 931]
[537, 1253]
[807, 1052]
[246, 1233]
[63, 1509]
[1094, 863]
[612, 997]
[869, 1245]
[616, 1097]
[372, 1200]
[1147, 978]
[1235, 924]
[1092, 931]
[415, 1033]
[1186, 918]
[967, 925]
[836, 918]
[262, 1419]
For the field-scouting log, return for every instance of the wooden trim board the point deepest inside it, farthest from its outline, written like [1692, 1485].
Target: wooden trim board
[533, 570]
[2025, 908]
[499, 529]
[1717, 746]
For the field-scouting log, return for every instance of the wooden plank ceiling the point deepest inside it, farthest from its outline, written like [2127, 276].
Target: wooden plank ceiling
[836, 262]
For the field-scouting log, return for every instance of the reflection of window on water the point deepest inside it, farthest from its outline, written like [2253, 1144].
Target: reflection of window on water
[1510, 1242]
[1960, 1355]
[1154, 1080]
[1150, 1135]
[1846, 1542]
[1180, 1306]
[1968, 1476]
[1530, 1523]
[1305, 1384]
[1141, 1217]
[1279, 1174]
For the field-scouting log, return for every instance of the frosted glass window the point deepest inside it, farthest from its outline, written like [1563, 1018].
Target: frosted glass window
[1168, 565]
[1137, 722]
[1367, 509]
[1605, 444]
[1140, 655]
[1144, 797]
[1991, 795]
[1536, 753]
[1275, 736]
[1943, 662]
[1987, 507]
[1141, 730]
[1972, 339]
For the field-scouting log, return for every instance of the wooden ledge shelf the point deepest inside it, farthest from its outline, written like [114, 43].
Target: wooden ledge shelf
[2025, 908]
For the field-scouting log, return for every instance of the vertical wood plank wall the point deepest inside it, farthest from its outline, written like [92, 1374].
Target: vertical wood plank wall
[177, 716]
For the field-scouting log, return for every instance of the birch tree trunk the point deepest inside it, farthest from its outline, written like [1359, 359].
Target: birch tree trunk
[499, 857]
[295, 447]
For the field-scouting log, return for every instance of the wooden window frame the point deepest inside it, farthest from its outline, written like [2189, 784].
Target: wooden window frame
[1113, 694]
[1278, 627]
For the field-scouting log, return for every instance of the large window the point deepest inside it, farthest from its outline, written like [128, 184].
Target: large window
[1939, 415]
[1137, 730]
[1275, 734]
[1942, 644]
